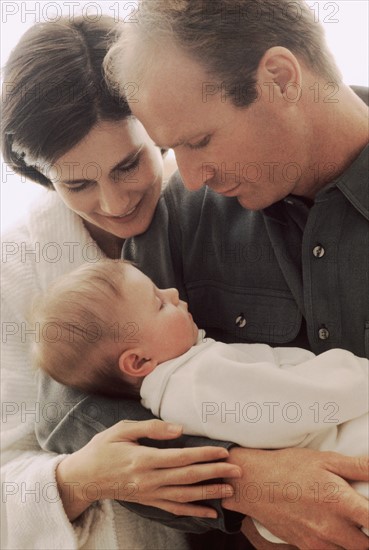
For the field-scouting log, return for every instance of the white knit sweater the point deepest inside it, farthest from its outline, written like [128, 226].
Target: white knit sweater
[51, 242]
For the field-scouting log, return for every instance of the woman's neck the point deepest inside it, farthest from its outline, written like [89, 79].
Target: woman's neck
[109, 244]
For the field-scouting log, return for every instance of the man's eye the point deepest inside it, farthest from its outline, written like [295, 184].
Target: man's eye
[200, 144]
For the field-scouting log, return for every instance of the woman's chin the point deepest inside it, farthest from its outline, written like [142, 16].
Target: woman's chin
[120, 227]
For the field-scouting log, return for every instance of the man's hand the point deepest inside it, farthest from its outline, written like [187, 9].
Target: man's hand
[301, 496]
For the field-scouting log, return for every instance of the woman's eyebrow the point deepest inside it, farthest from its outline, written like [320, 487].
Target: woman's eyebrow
[132, 155]
[123, 161]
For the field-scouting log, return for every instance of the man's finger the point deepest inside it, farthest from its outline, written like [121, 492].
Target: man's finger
[352, 468]
[175, 458]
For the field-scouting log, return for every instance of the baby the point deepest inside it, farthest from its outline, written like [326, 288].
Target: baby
[103, 327]
[106, 328]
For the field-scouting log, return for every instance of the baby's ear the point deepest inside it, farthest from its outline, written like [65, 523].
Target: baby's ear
[133, 363]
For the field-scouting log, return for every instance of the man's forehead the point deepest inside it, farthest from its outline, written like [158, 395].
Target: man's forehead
[173, 75]
[172, 124]
[170, 103]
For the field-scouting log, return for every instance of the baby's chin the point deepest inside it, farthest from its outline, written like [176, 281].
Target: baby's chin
[195, 333]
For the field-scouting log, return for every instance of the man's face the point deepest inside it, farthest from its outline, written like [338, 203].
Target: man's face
[256, 154]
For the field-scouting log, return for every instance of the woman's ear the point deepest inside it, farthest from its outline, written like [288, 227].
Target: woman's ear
[133, 363]
[280, 67]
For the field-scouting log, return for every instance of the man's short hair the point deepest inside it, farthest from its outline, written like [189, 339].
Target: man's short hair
[230, 37]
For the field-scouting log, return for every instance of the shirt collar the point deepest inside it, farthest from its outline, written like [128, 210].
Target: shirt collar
[353, 183]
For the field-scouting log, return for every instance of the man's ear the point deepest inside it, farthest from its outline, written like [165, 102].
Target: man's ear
[280, 66]
[133, 363]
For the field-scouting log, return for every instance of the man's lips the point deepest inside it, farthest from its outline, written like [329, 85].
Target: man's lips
[229, 192]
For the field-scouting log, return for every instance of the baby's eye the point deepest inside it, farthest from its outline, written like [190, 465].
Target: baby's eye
[161, 303]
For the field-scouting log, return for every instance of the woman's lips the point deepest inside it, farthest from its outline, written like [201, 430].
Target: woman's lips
[123, 217]
[126, 214]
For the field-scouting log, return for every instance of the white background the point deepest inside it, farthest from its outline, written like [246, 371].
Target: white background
[345, 23]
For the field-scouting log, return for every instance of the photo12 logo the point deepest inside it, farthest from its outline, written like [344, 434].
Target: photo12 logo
[42, 12]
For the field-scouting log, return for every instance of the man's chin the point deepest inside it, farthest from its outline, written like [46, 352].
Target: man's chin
[250, 204]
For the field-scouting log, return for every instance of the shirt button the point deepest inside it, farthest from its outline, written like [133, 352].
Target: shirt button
[318, 251]
[241, 321]
[323, 333]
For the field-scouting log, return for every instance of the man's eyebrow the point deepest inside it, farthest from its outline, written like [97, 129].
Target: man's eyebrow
[174, 145]
[182, 141]
[128, 158]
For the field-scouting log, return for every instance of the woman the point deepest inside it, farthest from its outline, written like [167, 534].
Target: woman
[63, 128]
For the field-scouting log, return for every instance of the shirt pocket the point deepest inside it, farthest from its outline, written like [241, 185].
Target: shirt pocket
[235, 314]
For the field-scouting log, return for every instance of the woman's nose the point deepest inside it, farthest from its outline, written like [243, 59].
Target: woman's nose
[113, 201]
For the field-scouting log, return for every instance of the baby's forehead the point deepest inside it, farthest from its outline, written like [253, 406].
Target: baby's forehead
[138, 288]
[134, 275]
[112, 283]
[93, 281]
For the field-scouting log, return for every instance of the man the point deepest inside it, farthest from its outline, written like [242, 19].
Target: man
[250, 99]
[275, 248]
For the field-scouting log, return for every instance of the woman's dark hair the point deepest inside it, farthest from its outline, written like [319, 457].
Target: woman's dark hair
[54, 92]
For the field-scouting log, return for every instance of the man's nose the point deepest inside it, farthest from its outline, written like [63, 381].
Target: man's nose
[195, 174]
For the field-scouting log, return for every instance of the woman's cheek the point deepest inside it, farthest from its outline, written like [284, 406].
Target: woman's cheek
[80, 203]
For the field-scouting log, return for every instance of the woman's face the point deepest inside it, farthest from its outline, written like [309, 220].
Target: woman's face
[112, 178]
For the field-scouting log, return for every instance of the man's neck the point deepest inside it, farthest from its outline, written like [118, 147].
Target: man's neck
[340, 133]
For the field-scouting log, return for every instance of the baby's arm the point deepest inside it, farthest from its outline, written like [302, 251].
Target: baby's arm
[270, 404]
[264, 404]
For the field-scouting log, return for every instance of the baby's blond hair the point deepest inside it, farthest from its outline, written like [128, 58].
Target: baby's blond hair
[80, 338]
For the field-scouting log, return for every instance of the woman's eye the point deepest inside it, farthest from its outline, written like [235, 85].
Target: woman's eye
[78, 187]
[124, 169]
[129, 167]
[200, 144]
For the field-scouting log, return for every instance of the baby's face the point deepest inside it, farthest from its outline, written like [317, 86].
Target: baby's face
[163, 326]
